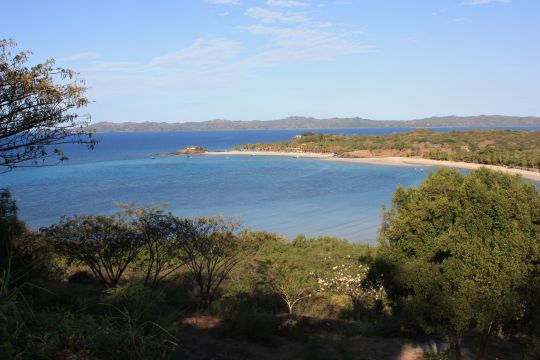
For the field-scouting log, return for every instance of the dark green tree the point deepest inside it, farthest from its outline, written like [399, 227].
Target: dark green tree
[10, 226]
[460, 249]
[23, 253]
[161, 255]
[212, 249]
[107, 245]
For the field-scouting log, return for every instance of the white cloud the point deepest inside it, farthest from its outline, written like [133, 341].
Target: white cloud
[109, 66]
[279, 38]
[201, 52]
[268, 16]
[304, 44]
[224, 2]
[439, 12]
[484, 2]
[80, 56]
[285, 3]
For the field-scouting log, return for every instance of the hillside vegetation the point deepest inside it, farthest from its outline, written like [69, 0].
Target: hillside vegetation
[455, 274]
[494, 147]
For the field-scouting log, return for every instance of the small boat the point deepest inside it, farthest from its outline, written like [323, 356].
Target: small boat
[152, 157]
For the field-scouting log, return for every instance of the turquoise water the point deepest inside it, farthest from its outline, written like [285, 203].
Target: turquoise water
[281, 194]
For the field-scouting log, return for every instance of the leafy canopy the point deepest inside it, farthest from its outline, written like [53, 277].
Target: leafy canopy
[460, 248]
[38, 110]
[107, 245]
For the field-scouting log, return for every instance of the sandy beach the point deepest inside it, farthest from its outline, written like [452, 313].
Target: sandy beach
[392, 161]
[272, 153]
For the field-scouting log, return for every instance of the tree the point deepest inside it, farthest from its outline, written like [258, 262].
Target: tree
[290, 280]
[38, 110]
[161, 255]
[10, 226]
[23, 253]
[531, 319]
[212, 249]
[287, 268]
[107, 245]
[461, 249]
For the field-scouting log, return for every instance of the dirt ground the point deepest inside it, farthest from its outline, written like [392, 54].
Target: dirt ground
[204, 337]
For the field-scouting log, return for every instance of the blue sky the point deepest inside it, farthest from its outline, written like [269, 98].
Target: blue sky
[194, 60]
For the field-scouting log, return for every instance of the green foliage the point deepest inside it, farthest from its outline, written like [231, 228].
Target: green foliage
[54, 335]
[495, 147]
[286, 271]
[135, 298]
[22, 259]
[531, 319]
[107, 245]
[161, 255]
[290, 281]
[460, 249]
[212, 249]
[430, 355]
[10, 226]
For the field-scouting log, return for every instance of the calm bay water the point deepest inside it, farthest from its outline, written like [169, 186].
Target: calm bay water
[280, 194]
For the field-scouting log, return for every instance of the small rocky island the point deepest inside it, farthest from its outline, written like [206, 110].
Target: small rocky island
[188, 150]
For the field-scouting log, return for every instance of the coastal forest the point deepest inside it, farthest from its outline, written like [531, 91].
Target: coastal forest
[494, 147]
[455, 274]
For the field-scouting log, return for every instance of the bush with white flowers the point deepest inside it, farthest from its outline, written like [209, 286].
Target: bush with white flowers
[350, 280]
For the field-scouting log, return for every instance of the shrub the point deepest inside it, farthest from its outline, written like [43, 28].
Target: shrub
[134, 298]
[254, 301]
[54, 335]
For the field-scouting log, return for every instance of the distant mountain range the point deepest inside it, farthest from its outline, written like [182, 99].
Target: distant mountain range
[299, 122]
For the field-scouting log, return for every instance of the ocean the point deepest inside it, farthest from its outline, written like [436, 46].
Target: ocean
[279, 194]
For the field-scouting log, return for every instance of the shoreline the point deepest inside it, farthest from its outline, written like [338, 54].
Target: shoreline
[272, 153]
[389, 161]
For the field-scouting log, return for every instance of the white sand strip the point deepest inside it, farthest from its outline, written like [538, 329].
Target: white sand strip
[393, 161]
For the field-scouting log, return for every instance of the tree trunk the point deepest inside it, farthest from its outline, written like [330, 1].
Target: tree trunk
[455, 345]
[481, 355]
[357, 308]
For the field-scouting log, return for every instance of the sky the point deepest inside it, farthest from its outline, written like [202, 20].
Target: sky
[196, 60]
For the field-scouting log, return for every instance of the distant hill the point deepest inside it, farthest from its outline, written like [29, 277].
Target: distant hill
[299, 122]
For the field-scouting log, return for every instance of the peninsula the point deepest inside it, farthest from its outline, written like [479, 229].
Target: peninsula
[513, 152]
